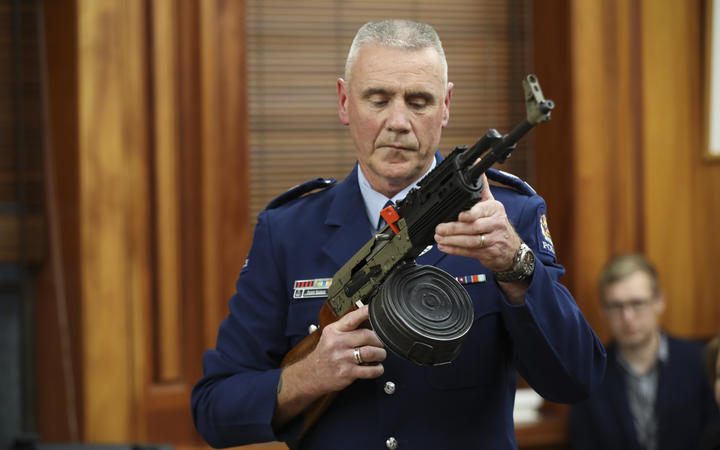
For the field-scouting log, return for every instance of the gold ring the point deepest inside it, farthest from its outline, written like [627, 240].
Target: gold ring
[358, 358]
[482, 240]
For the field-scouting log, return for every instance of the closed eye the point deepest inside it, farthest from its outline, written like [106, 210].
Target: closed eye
[419, 100]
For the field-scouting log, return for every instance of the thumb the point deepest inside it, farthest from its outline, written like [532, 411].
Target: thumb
[485, 195]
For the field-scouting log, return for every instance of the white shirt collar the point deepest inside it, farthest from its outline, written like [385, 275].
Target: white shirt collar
[375, 201]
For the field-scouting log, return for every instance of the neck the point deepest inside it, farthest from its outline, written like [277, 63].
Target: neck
[642, 356]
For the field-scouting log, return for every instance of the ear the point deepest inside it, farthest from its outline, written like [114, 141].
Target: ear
[446, 105]
[342, 101]
[661, 303]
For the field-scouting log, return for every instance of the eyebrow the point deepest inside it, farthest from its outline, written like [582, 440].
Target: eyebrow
[428, 97]
[367, 93]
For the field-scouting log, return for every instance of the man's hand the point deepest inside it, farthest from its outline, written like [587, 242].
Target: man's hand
[484, 232]
[333, 359]
[331, 366]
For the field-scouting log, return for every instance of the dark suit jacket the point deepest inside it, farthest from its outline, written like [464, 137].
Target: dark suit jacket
[685, 405]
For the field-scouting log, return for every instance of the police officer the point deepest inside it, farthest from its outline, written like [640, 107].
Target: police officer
[395, 99]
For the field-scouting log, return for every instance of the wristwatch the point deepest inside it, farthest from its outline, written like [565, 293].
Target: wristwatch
[522, 268]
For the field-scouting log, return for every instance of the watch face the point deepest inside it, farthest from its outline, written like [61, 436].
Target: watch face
[523, 268]
[528, 261]
[529, 257]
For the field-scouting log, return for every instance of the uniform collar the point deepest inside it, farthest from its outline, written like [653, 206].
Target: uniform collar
[375, 201]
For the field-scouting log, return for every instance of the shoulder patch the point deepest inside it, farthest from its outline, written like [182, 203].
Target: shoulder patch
[546, 242]
[300, 190]
[509, 180]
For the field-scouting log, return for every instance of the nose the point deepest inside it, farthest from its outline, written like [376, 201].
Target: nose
[399, 120]
[627, 313]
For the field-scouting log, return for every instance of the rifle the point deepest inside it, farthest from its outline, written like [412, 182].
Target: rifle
[384, 275]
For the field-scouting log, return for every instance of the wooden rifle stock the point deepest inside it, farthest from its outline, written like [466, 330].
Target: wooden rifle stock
[300, 351]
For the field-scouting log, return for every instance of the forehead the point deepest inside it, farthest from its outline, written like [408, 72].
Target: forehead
[396, 68]
[633, 287]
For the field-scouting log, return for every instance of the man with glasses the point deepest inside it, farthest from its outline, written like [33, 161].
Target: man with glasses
[656, 394]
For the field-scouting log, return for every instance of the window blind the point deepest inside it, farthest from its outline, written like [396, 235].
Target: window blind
[297, 51]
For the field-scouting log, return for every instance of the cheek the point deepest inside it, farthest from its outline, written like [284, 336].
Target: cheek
[430, 126]
[366, 125]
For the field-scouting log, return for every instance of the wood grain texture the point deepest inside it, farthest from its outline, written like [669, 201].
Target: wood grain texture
[683, 188]
[630, 151]
[113, 213]
[224, 155]
[166, 131]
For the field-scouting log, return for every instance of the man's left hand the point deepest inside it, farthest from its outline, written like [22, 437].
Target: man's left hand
[482, 232]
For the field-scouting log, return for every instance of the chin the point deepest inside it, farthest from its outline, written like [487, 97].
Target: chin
[635, 340]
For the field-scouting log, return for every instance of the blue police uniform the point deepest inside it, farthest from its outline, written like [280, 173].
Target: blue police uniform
[462, 405]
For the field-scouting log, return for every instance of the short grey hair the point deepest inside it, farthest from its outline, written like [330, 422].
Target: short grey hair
[396, 33]
[622, 266]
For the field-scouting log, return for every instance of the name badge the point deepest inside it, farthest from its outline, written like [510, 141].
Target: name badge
[311, 288]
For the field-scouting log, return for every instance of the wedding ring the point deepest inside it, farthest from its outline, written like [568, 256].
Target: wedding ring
[482, 240]
[358, 358]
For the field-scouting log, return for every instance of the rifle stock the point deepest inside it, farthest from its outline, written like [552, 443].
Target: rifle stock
[453, 186]
[308, 344]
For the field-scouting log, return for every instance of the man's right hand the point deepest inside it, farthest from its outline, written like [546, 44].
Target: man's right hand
[331, 366]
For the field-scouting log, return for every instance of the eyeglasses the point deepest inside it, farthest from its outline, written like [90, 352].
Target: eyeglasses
[636, 306]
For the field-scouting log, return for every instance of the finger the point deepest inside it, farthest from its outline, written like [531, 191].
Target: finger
[458, 251]
[471, 242]
[486, 194]
[364, 336]
[480, 210]
[486, 207]
[370, 354]
[368, 372]
[352, 320]
[469, 223]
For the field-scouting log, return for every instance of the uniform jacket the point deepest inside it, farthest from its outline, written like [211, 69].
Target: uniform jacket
[463, 405]
[685, 405]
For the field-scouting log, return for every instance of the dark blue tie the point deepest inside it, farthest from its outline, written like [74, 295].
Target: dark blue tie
[381, 221]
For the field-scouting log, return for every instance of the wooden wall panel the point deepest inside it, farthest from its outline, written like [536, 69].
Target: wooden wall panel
[155, 178]
[682, 188]
[224, 145]
[167, 180]
[593, 138]
[113, 213]
[58, 312]
[630, 150]
[201, 189]
[670, 137]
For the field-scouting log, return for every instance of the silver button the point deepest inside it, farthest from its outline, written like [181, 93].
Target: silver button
[391, 443]
[312, 328]
[389, 388]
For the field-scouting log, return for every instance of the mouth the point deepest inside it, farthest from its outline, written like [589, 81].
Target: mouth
[397, 147]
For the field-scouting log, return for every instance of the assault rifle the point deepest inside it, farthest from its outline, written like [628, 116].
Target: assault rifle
[419, 312]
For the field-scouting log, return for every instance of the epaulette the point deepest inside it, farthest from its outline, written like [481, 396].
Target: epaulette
[300, 190]
[509, 180]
